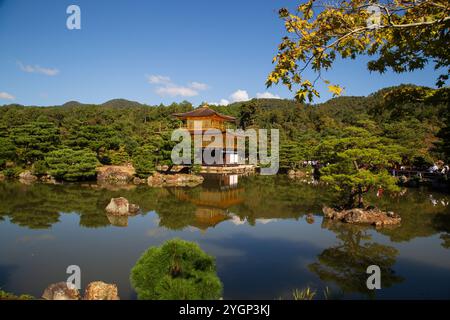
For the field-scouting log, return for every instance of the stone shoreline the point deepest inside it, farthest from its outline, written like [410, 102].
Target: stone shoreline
[371, 216]
[120, 176]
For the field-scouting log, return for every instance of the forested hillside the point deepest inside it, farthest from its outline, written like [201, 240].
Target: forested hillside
[50, 139]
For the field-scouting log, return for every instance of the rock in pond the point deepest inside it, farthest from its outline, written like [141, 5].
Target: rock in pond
[371, 216]
[99, 290]
[115, 174]
[121, 207]
[61, 291]
[310, 218]
[27, 177]
[48, 179]
[174, 180]
[138, 180]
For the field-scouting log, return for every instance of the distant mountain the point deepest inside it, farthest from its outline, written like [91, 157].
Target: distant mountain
[122, 103]
[72, 104]
[268, 103]
[11, 105]
[356, 103]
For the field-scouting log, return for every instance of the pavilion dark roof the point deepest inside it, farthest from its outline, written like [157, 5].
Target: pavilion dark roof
[204, 111]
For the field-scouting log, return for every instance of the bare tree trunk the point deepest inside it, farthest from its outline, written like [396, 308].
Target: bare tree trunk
[360, 201]
[351, 201]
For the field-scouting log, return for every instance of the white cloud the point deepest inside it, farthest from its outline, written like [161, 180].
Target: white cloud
[242, 95]
[237, 221]
[176, 91]
[267, 95]
[222, 102]
[158, 79]
[265, 221]
[38, 69]
[198, 86]
[168, 88]
[239, 95]
[6, 96]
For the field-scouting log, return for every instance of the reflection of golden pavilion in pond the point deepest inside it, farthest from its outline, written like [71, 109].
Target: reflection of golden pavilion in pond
[212, 204]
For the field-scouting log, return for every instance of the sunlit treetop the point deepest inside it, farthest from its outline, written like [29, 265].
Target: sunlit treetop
[402, 35]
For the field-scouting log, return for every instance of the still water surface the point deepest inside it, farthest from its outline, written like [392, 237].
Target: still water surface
[257, 229]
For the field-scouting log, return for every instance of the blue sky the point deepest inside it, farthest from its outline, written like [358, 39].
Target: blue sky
[155, 52]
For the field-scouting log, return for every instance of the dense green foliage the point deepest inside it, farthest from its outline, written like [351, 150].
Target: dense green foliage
[117, 132]
[178, 270]
[10, 296]
[358, 139]
[7, 151]
[357, 161]
[71, 165]
[407, 115]
[404, 36]
[121, 131]
[33, 140]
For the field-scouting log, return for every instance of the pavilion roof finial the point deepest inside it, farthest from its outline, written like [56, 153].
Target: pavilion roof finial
[202, 112]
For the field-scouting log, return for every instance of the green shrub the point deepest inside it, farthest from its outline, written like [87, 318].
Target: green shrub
[40, 168]
[7, 151]
[72, 165]
[144, 161]
[178, 270]
[34, 140]
[422, 161]
[12, 172]
[119, 157]
[9, 296]
[196, 168]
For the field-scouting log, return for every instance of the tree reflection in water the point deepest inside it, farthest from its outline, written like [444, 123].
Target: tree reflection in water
[39, 206]
[346, 263]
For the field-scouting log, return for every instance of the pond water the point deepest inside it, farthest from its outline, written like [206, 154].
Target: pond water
[256, 227]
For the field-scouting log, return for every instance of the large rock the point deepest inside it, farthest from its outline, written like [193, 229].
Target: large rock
[310, 218]
[115, 174]
[101, 291]
[61, 291]
[48, 179]
[121, 207]
[138, 180]
[373, 216]
[174, 180]
[27, 177]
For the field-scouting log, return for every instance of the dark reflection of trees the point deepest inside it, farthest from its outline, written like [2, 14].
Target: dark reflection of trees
[346, 263]
[39, 206]
[272, 197]
[175, 214]
[419, 210]
[441, 223]
[446, 240]
[35, 219]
